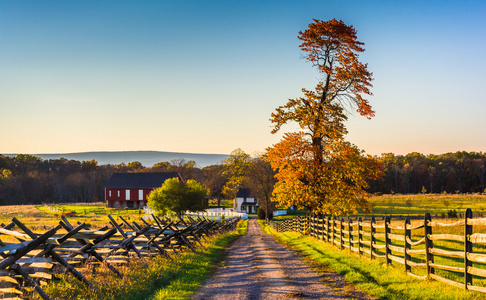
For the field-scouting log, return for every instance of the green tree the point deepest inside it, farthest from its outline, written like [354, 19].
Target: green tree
[177, 197]
[234, 170]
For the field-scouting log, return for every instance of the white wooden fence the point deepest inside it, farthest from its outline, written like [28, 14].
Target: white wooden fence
[217, 214]
[214, 214]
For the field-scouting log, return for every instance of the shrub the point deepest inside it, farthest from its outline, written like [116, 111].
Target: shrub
[68, 213]
[452, 213]
[261, 214]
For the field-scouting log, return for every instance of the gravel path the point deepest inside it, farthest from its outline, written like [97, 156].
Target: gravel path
[257, 267]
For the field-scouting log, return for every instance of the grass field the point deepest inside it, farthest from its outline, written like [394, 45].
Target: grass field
[435, 204]
[39, 218]
[227, 203]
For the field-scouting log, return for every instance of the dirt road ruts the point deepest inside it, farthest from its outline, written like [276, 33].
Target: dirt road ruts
[257, 267]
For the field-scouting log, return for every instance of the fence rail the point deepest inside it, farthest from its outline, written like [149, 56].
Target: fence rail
[36, 258]
[414, 246]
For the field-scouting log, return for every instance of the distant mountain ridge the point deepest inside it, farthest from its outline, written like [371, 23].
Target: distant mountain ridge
[147, 158]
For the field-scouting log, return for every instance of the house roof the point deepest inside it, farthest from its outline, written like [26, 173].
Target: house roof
[138, 180]
[243, 193]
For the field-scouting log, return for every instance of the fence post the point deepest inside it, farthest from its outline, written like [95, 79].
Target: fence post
[429, 244]
[328, 229]
[350, 235]
[341, 234]
[333, 229]
[372, 236]
[468, 230]
[360, 236]
[387, 241]
[304, 224]
[311, 220]
[313, 227]
[320, 234]
[406, 245]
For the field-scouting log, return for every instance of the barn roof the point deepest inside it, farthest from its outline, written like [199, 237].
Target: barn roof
[138, 180]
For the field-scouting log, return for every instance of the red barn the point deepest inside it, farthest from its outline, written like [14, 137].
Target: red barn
[130, 190]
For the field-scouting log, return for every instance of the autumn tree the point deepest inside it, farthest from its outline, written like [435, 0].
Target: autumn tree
[317, 168]
[187, 169]
[176, 197]
[162, 166]
[234, 170]
[261, 180]
[135, 166]
[214, 180]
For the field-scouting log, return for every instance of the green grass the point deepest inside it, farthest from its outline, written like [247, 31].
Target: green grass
[228, 203]
[436, 205]
[89, 210]
[372, 277]
[157, 278]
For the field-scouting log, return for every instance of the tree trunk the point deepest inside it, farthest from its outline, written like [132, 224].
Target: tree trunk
[266, 209]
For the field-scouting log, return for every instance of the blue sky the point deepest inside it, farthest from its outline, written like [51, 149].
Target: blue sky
[204, 76]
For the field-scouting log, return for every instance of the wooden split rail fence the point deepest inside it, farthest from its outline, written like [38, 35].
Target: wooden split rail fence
[36, 258]
[426, 248]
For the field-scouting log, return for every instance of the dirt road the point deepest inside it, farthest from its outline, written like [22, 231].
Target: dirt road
[257, 267]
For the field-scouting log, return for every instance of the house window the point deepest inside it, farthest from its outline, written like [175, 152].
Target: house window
[118, 193]
[127, 194]
[140, 194]
[109, 193]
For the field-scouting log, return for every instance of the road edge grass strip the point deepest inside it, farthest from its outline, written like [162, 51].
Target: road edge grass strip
[156, 278]
[196, 269]
[372, 277]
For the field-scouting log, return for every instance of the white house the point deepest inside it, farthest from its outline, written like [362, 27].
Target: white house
[245, 202]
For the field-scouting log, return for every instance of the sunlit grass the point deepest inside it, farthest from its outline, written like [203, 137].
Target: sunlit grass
[40, 219]
[226, 203]
[435, 204]
[373, 277]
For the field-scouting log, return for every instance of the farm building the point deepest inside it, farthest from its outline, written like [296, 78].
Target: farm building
[245, 202]
[130, 190]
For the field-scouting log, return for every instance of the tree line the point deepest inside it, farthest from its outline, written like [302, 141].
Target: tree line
[459, 172]
[27, 179]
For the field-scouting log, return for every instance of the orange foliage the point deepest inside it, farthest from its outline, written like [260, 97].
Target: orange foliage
[317, 168]
[333, 47]
[334, 186]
